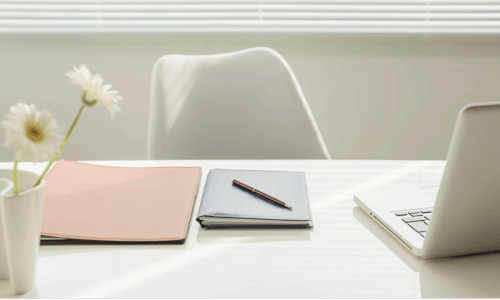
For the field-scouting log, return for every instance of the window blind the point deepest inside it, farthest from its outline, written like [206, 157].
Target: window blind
[107, 16]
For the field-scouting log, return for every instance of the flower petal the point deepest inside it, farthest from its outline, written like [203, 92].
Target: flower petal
[95, 89]
[28, 145]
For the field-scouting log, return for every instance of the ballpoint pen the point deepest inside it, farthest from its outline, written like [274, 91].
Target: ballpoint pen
[263, 195]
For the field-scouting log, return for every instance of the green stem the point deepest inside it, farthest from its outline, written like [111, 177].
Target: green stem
[66, 138]
[14, 178]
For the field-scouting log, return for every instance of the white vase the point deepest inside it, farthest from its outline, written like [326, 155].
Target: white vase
[21, 217]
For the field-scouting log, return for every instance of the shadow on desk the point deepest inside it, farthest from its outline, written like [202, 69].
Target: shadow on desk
[473, 276]
[96, 247]
[247, 235]
[96, 242]
[6, 291]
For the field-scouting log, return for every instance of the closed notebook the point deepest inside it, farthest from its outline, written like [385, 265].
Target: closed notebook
[226, 205]
[127, 204]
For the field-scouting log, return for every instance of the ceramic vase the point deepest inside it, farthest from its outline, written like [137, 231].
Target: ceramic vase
[21, 217]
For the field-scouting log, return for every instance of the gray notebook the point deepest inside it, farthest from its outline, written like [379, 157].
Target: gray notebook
[225, 205]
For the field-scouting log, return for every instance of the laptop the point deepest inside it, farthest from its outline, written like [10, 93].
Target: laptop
[473, 276]
[462, 215]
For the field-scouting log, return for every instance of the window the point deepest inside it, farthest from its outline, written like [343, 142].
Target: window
[406, 16]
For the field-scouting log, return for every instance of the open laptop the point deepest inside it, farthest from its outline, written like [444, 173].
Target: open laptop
[473, 276]
[462, 215]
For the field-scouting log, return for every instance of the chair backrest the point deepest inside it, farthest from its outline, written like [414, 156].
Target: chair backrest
[241, 105]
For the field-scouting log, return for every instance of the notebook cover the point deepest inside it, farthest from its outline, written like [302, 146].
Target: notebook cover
[101, 203]
[222, 199]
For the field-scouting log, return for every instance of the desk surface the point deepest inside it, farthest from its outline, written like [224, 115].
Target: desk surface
[345, 255]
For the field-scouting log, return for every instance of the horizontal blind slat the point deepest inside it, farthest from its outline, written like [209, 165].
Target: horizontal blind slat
[128, 15]
[249, 23]
[249, 7]
[246, 15]
[223, 29]
[146, 2]
[121, 7]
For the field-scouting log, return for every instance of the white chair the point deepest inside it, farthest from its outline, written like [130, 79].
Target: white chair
[241, 105]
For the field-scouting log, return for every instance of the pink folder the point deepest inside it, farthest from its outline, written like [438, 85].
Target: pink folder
[84, 201]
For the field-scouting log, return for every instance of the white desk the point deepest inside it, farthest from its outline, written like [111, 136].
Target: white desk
[345, 255]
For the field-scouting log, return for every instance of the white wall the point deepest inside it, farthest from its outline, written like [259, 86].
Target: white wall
[374, 97]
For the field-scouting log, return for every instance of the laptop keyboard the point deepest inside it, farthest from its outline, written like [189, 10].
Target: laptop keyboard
[417, 219]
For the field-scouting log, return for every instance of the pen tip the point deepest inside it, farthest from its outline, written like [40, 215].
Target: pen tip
[288, 206]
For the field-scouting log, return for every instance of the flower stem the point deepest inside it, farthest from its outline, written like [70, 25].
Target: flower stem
[63, 144]
[14, 178]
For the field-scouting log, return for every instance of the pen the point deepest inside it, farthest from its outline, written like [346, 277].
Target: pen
[264, 195]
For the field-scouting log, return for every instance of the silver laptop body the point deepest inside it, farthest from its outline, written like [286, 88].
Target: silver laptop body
[473, 276]
[462, 215]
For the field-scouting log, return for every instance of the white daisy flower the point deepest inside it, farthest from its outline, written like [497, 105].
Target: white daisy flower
[94, 90]
[33, 134]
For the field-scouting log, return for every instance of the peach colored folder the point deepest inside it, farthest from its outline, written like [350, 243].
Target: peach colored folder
[84, 201]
